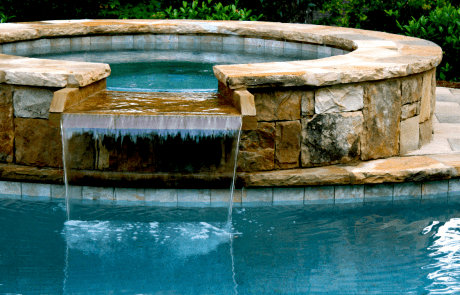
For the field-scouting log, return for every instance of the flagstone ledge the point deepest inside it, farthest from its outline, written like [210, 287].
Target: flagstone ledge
[390, 170]
[374, 55]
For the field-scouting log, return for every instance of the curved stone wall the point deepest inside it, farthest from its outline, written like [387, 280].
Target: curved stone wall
[372, 98]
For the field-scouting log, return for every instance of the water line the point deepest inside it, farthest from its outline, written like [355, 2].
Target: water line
[232, 186]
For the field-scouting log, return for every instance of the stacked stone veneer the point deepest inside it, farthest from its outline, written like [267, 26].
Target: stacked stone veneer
[319, 126]
[375, 102]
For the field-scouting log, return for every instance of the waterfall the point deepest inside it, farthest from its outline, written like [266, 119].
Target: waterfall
[161, 132]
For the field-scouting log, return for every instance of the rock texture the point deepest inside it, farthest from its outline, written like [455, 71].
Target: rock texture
[308, 103]
[339, 98]
[287, 144]
[409, 136]
[37, 144]
[32, 102]
[411, 89]
[410, 110]
[427, 93]
[257, 148]
[382, 115]
[331, 138]
[426, 132]
[6, 124]
[277, 105]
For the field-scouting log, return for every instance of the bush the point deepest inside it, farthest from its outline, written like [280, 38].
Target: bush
[378, 15]
[441, 26]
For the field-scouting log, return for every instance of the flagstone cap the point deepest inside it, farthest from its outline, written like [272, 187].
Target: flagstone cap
[373, 56]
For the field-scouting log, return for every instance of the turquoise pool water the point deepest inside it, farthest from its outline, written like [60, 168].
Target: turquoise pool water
[173, 70]
[410, 248]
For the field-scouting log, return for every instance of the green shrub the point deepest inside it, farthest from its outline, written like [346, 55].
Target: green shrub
[441, 26]
[142, 10]
[378, 15]
[215, 12]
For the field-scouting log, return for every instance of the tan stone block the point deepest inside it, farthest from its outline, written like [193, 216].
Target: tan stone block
[327, 175]
[81, 151]
[308, 103]
[426, 132]
[6, 124]
[331, 138]
[433, 93]
[339, 98]
[401, 169]
[244, 102]
[382, 116]
[410, 110]
[427, 93]
[249, 123]
[411, 89]
[257, 148]
[257, 160]
[409, 136]
[32, 102]
[287, 144]
[36, 143]
[277, 105]
[67, 97]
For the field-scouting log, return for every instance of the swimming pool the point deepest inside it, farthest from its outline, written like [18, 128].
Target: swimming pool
[390, 248]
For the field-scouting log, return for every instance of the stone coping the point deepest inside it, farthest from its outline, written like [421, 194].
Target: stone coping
[390, 170]
[375, 55]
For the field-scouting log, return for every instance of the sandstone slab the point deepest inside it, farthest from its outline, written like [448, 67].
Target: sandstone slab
[339, 98]
[448, 159]
[409, 136]
[427, 93]
[287, 144]
[308, 104]
[32, 102]
[37, 144]
[278, 105]
[15, 172]
[411, 89]
[382, 115]
[426, 132]
[410, 110]
[402, 169]
[329, 175]
[257, 148]
[6, 124]
[331, 138]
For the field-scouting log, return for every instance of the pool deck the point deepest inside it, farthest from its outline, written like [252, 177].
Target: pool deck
[429, 173]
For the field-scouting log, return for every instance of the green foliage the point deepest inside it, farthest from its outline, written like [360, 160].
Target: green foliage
[142, 10]
[4, 18]
[379, 15]
[216, 12]
[441, 26]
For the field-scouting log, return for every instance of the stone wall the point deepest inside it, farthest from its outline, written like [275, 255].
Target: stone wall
[302, 127]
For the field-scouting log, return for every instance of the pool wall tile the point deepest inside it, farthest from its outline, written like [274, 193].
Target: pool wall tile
[194, 197]
[101, 43]
[319, 195]
[274, 47]
[121, 42]
[293, 46]
[167, 42]
[37, 191]
[10, 189]
[233, 43]
[161, 197]
[58, 191]
[189, 42]
[324, 50]
[257, 197]
[310, 47]
[335, 51]
[128, 196]
[378, 192]
[211, 39]
[9, 48]
[288, 196]
[24, 48]
[435, 189]
[144, 42]
[407, 191]
[221, 198]
[1, 48]
[254, 45]
[104, 194]
[454, 190]
[80, 44]
[349, 194]
[60, 45]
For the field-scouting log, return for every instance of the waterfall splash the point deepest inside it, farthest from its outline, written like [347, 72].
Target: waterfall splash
[171, 143]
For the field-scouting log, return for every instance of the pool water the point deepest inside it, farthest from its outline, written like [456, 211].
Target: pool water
[106, 249]
[172, 70]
